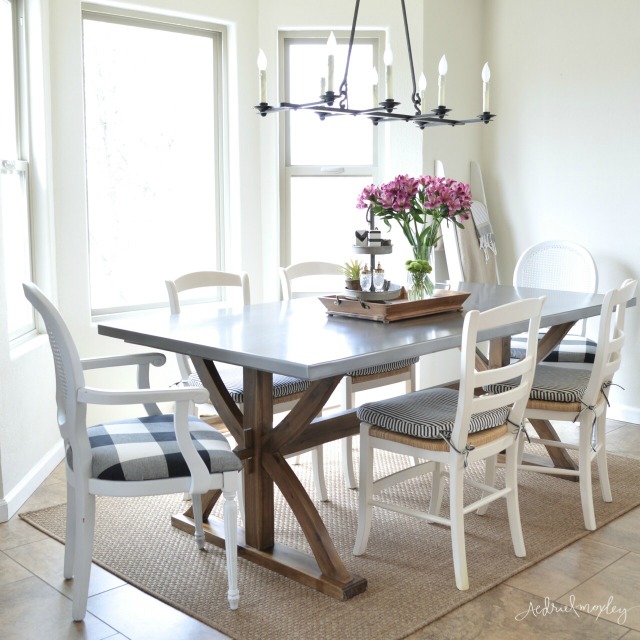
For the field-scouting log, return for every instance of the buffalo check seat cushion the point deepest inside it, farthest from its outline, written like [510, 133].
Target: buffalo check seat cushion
[552, 384]
[573, 348]
[146, 449]
[428, 413]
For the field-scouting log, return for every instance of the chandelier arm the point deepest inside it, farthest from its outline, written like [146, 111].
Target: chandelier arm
[343, 84]
[415, 98]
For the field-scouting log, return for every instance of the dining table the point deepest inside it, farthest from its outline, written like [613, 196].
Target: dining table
[300, 338]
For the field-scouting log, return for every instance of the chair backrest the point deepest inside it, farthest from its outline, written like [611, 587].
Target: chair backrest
[202, 280]
[611, 338]
[497, 321]
[304, 270]
[68, 368]
[559, 265]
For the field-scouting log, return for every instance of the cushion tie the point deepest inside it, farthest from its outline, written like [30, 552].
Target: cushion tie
[520, 429]
[587, 407]
[446, 436]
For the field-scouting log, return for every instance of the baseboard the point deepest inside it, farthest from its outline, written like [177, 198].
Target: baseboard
[10, 503]
[624, 413]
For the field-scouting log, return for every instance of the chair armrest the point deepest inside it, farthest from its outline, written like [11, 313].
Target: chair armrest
[155, 359]
[90, 395]
[142, 360]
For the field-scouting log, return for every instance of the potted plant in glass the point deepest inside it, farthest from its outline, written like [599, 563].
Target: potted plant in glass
[419, 206]
[351, 271]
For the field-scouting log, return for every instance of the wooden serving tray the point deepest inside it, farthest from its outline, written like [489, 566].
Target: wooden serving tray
[401, 308]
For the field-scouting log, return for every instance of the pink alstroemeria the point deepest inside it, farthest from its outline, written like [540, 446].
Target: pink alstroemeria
[419, 206]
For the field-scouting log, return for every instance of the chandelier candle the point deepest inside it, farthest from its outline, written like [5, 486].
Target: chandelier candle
[422, 86]
[442, 70]
[486, 76]
[262, 72]
[331, 50]
[388, 61]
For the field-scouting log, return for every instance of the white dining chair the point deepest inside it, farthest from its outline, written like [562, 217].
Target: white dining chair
[560, 265]
[403, 371]
[445, 427]
[286, 389]
[580, 396]
[151, 455]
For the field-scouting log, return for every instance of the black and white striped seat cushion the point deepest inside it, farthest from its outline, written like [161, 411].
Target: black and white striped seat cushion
[146, 449]
[573, 348]
[282, 385]
[553, 384]
[383, 368]
[425, 414]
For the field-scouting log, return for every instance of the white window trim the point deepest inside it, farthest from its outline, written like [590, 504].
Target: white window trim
[20, 164]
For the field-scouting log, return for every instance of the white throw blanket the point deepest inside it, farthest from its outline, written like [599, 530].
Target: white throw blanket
[484, 230]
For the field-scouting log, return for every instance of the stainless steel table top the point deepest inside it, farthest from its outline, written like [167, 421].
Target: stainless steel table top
[299, 339]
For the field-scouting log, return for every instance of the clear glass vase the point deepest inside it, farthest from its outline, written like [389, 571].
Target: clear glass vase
[419, 285]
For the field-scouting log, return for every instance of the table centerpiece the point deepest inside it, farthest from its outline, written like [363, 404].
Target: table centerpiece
[418, 206]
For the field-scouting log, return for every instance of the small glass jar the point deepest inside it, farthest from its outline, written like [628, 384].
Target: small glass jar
[365, 279]
[378, 278]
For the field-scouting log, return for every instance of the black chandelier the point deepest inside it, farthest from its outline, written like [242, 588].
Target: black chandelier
[386, 110]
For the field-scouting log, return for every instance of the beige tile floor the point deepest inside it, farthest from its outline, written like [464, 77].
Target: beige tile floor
[590, 589]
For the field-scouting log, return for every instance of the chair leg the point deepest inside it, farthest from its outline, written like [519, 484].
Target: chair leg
[437, 489]
[196, 504]
[601, 457]
[317, 456]
[365, 491]
[409, 387]
[456, 485]
[241, 496]
[347, 463]
[584, 465]
[489, 479]
[348, 402]
[230, 516]
[85, 512]
[70, 535]
[513, 505]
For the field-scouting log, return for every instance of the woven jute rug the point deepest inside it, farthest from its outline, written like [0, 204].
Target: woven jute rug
[408, 563]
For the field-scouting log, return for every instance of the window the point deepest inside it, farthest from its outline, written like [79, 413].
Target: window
[153, 145]
[327, 163]
[14, 171]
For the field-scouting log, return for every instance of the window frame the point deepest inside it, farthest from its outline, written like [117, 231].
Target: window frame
[218, 34]
[20, 163]
[289, 171]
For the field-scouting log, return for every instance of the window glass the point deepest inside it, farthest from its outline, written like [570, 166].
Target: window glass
[324, 217]
[8, 138]
[152, 158]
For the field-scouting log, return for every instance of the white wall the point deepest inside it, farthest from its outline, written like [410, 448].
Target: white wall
[561, 159]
